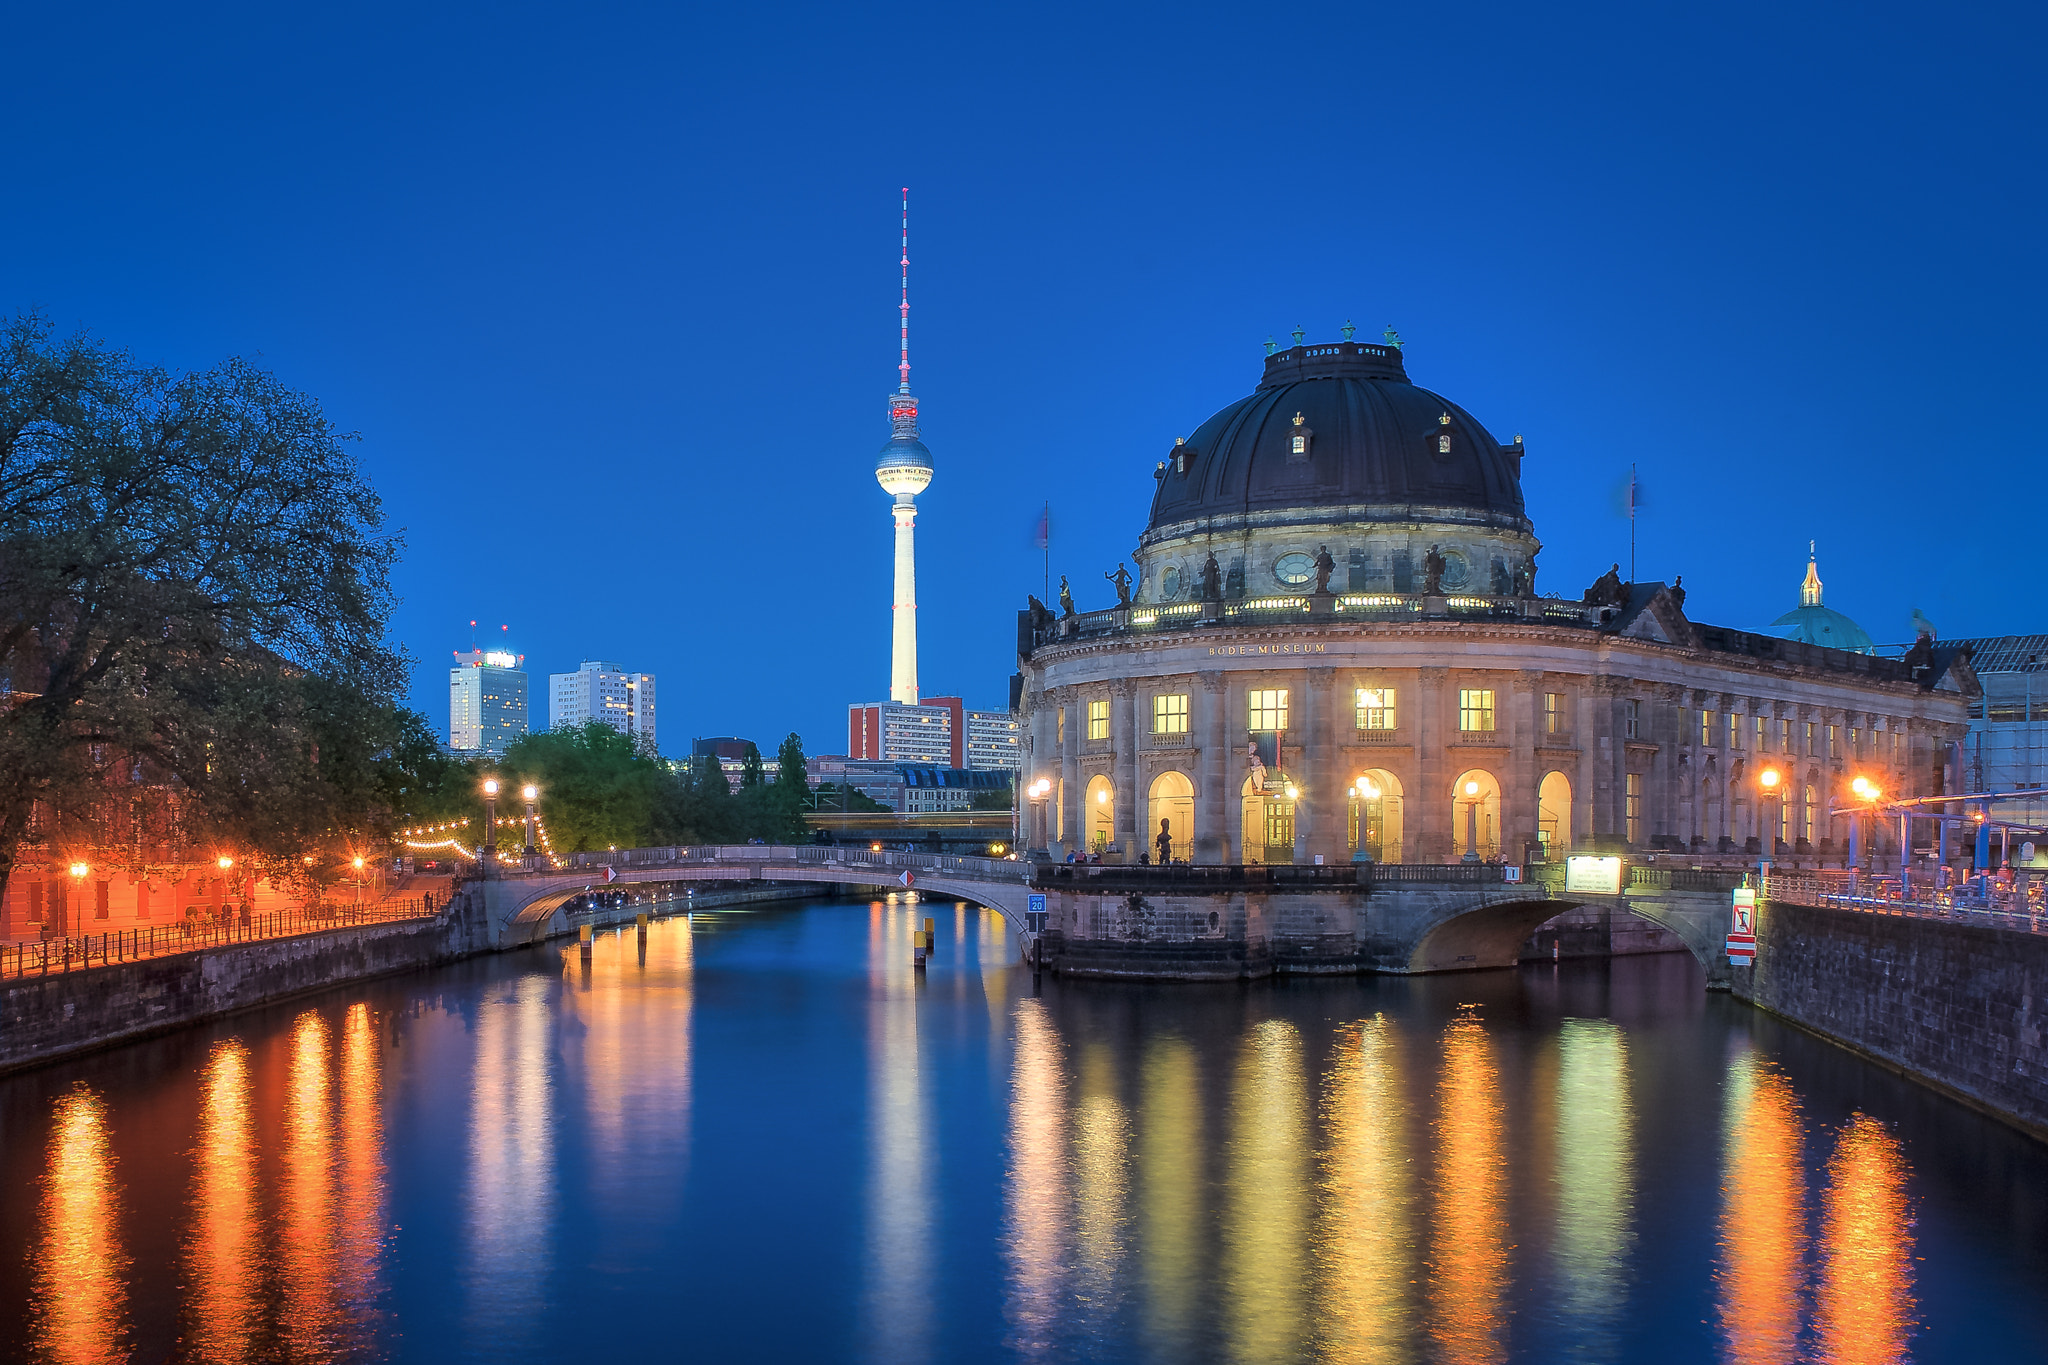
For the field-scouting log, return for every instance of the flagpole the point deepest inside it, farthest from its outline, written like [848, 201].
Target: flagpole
[1046, 522]
[1631, 524]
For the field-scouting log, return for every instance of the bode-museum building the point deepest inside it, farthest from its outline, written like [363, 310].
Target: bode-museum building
[1335, 650]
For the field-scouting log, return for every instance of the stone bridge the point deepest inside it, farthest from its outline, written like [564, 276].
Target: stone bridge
[1187, 922]
[527, 906]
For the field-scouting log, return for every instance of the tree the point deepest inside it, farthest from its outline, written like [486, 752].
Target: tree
[750, 767]
[598, 789]
[790, 794]
[193, 594]
[710, 802]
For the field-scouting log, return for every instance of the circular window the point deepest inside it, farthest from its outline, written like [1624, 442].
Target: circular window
[1169, 582]
[1455, 571]
[1294, 570]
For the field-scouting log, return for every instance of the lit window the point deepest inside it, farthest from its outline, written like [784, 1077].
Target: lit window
[1475, 708]
[1269, 708]
[1300, 444]
[1831, 742]
[1443, 445]
[1375, 708]
[1170, 714]
[1709, 721]
[1763, 737]
[1734, 731]
[1553, 713]
[1635, 807]
[1098, 719]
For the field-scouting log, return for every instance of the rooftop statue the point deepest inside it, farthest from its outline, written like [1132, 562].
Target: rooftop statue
[1525, 578]
[1066, 597]
[1041, 614]
[1433, 567]
[1608, 590]
[1212, 580]
[1325, 566]
[1122, 579]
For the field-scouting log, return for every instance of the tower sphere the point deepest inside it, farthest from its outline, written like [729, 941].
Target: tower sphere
[905, 466]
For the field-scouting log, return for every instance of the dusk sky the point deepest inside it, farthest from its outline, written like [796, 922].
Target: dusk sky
[609, 293]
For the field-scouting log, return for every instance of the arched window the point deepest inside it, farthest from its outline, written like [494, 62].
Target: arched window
[1172, 819]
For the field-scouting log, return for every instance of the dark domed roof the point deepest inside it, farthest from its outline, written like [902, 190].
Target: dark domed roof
[1372, 438]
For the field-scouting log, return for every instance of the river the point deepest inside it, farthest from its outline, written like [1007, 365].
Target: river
[757, 1135]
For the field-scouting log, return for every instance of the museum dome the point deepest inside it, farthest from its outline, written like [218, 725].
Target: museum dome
[1814, 624]
[1340, 426]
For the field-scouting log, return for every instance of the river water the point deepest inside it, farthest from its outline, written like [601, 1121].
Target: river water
[758, 1135]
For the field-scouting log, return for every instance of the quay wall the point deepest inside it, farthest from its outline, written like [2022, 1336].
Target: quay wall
[45, 1018]
[1956, 1005]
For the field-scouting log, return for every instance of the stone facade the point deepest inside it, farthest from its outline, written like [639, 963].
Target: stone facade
[1541, 727]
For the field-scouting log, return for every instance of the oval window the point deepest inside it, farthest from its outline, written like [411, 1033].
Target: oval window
[1169, 582]
[1456, 573]
[1294, 570]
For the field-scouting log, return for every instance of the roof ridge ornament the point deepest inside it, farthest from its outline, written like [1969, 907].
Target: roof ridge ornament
[1347, 329]
[1393, 337]
[1809, 591]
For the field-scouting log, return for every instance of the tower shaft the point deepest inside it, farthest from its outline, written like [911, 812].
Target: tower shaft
[903, 647]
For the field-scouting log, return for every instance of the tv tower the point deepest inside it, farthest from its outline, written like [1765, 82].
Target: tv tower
[904, 470]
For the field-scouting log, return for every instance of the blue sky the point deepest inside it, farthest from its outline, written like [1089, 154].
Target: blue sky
[609, 292]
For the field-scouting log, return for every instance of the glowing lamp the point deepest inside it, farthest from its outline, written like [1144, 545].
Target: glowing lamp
[1291, 792]
[490, 786]
[80, 869]
[359, 864]
[1102, 798]
[1471, 789]
[1370, 792]
[224, 863]
[1768, 777]
[1861, 786]
[530, 792]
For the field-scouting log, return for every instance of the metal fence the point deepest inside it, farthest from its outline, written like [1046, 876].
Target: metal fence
[1975, 900]
[78, 952]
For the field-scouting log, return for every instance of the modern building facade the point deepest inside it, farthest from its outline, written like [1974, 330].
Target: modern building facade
[993, 741]
[603, 691]
[486, 701]
[2006, 749]
[1337, 651]
[926, 790]
[894, 733]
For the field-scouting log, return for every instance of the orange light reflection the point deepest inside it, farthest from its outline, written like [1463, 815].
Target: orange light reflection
[221, 1248]
[1470, 1262]
[1865, 1302]
[81, 1295]
[307, 1317]
[1763, 1216]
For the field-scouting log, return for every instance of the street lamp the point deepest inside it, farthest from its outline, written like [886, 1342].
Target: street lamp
[490, 817]
[1769, 779]
[1037, 792]
[79, 872]
[532, 794]
[1471, 822]
[359, 884]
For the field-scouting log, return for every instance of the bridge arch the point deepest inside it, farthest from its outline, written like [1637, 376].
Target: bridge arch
[1468, 937]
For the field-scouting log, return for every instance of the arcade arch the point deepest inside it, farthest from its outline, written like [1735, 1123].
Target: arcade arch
[1100, 814]
[1374, 823]
[1172, 813]
[1554, 815]
[1268, 814]
[1475, 813]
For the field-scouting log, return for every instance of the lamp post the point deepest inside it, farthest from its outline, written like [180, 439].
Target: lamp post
[1769, 780]
[79, 872]
[489, 848]
[359, 886]
[1471, 822]
[532, 794]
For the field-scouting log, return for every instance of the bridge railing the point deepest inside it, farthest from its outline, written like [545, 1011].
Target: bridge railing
[824, 856]
[1970, 903]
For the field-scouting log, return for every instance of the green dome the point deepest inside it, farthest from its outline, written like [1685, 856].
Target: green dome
[1813, 624]
[1822, 626]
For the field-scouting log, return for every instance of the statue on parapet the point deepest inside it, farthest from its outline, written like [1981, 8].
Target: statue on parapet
[1608, 590]
[1066, 597]
[1122, 579]
[1678, 592]
[1433, 567]
[1212, 580]
[1041, 614]
[1325, 566]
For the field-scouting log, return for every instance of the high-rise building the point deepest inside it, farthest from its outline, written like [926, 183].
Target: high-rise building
[901, 734]
[992, 741]
[904, 470]
[486, 701]
[603, 691]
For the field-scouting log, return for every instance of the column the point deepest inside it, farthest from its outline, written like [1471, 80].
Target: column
[1072, 821]
[1212, 801]
[1427, 813]
[1123, 735]
[1326, 810]
[1520, 781]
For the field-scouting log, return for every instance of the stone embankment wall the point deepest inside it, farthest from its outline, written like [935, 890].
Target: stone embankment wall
[1958, 1005]
[43, 1018]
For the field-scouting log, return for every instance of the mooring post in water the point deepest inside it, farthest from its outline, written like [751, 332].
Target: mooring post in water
[583, 939]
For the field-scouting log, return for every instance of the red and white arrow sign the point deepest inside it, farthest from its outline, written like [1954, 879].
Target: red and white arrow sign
[907, 879]
[611, 874]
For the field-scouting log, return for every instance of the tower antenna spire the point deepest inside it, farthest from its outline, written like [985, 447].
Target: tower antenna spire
[903, 368]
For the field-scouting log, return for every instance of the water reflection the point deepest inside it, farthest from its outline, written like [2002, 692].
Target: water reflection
[1035, 1232]
[308, 1260]
[512, 1185]
[1595, 1183]
[1763, 1215]
[1172, 1206]
[221, 1248]
[900, 1152]
[1864, 1307]
[1102, 1183]
[360, 1238]
[1468, 1268]
[1265, 1213]
[81, 1296]
[1365, 1243]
